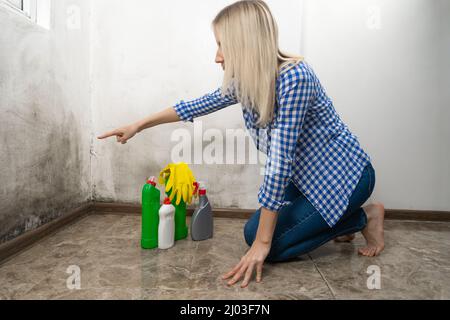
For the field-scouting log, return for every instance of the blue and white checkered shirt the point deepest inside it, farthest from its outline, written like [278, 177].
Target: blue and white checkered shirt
[306, 143]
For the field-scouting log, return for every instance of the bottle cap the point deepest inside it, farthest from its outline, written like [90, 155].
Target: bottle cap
[201, 185]
[167, 201]
[152, 181]
[201, 188]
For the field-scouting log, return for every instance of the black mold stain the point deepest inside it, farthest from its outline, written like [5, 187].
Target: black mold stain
[49, 186]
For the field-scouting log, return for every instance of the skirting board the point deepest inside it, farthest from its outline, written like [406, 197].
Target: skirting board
[391, 214]
[13, 247]
[124, 208]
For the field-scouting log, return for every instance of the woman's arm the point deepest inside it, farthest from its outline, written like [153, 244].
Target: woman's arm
[182, 111]
[255, 257]
[266, 227]
[168, 115]
[297, 89]
[125, 133]
[209, 103]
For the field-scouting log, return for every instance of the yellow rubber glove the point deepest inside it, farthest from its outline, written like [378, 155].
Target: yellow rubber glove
[178, 177]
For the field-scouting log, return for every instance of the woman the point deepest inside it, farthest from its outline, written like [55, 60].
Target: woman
[317, 176]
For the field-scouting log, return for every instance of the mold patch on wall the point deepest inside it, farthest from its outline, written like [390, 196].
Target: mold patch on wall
[44, 128]
[45, 180]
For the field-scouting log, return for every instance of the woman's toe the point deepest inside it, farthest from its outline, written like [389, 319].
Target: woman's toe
[378, 251]
[366, 251]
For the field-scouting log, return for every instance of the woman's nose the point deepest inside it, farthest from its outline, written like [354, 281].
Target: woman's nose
[219, 59]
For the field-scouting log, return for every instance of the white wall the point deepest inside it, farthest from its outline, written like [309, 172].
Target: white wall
[148, 55]
[391, 87]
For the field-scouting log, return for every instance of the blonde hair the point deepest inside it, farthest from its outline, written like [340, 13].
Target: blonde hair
[249, 40]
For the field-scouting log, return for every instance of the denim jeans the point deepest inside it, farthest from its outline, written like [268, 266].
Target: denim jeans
[300, 227]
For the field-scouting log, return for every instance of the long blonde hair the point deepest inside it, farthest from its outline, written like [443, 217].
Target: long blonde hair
[249, 40]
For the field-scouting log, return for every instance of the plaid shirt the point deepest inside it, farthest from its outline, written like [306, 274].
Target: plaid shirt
[306, 143]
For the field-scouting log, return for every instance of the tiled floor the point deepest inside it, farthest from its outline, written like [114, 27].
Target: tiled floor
[415, 265]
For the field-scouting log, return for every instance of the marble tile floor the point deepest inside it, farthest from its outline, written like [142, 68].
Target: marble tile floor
[106, 248]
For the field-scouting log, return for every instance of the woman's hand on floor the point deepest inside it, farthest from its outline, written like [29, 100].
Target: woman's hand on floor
[254, 259]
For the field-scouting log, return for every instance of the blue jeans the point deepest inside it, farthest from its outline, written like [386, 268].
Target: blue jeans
[300, 227]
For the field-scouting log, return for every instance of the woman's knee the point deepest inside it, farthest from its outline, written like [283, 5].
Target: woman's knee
[249, 234]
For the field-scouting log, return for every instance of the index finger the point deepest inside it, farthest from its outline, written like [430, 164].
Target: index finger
[108, 134]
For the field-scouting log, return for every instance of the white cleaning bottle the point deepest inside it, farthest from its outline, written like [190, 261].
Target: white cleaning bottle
[166, 228]
[202, 224]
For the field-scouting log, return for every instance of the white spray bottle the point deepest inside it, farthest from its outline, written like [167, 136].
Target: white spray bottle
[166, 228]
[202, 224]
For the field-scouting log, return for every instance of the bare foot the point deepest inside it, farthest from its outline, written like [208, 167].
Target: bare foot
[374, 231]
[346, 238]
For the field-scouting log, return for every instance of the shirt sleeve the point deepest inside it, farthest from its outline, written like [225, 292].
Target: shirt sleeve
[209, 103]
[296, 90]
